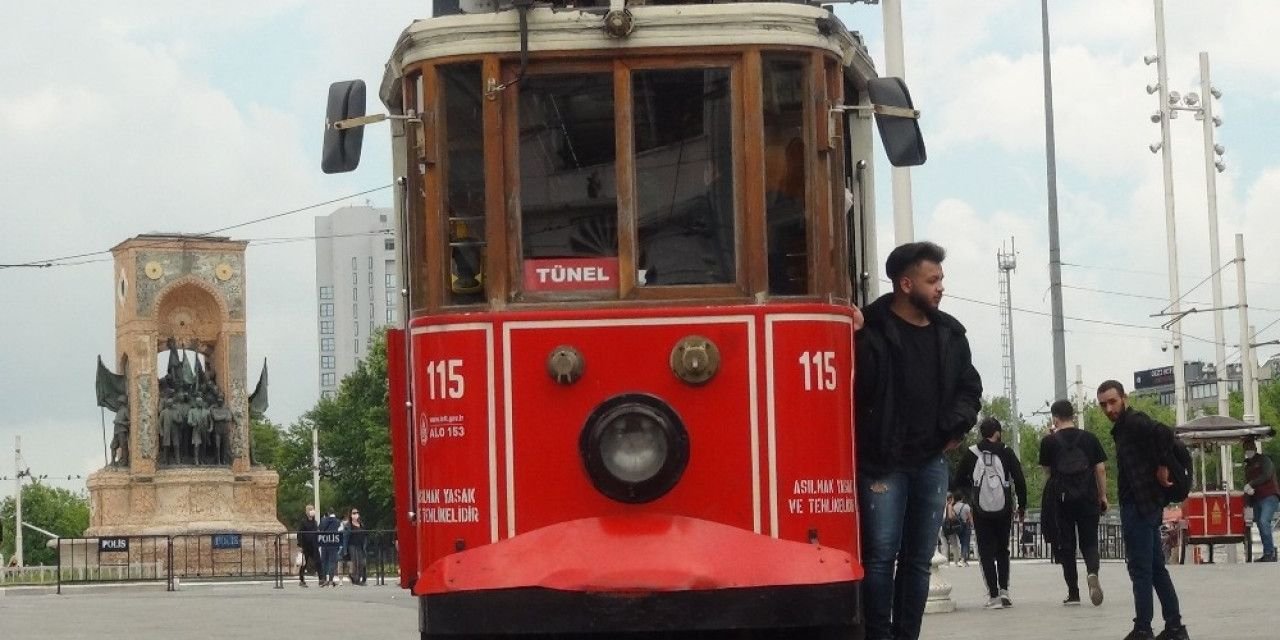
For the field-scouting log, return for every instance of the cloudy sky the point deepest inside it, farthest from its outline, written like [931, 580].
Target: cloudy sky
[139, 116]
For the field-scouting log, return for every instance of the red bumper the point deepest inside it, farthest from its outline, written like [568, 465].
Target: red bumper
[638, 554]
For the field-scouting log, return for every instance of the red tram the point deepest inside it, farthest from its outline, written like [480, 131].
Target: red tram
[632, 238]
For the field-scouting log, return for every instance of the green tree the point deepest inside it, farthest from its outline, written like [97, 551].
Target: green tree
[354, 447]
[58, 510]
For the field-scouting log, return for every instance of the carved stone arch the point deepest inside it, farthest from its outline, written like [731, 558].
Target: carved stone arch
[190, 308]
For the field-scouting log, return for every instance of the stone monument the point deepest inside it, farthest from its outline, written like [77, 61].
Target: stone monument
[181, 462]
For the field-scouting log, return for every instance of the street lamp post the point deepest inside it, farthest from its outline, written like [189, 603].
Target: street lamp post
[1163, 116]
[315, 468]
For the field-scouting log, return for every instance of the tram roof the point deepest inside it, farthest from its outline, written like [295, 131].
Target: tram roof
[656, 26]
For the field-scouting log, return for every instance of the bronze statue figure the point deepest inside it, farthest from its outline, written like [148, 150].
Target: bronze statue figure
[198, 419]
[120, 439]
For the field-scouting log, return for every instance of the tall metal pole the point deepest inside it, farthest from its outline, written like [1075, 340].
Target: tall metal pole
[17, 499]
[1246, 348]
[895, 66]
[1215, 259]
[1252, 363]
[1080, 403]
[1006, 263]
[315, 469]
[1055, 250]
[1171, 224]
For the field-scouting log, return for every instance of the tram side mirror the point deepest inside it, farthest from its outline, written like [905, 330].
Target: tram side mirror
[898, 121]
[342, 145]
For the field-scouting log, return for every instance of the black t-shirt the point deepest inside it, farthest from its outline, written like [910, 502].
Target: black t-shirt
[1051, 446]
[917, 390]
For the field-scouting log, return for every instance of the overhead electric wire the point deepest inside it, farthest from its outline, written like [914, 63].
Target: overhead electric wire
[256, 242]
[52, 262]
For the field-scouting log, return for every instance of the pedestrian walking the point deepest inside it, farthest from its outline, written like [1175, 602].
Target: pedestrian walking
[951, 532]
[964, 513]
[994, 477]
[1144, 451]
[1263, 494]
[307, 546]
[917, 395]
[1075, 463]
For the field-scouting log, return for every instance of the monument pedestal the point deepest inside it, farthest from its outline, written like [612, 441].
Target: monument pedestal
[186, 521]
[182, 500]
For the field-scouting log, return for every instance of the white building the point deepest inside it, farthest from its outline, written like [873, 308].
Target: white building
[356, 287]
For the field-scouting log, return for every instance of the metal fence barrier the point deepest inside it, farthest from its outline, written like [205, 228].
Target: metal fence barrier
[1027, 541]
[207, 556]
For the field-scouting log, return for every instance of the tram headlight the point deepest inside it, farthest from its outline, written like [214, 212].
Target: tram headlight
[635, 448]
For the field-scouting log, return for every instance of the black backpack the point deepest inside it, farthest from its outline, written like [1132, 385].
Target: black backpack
[1072, 473]
[1179, 464]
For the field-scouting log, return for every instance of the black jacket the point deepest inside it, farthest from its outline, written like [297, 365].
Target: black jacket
[879, 350]
[1142, 444]
[307, 534]
[1012, 469]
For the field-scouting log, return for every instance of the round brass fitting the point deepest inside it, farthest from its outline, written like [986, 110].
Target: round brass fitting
[695, 359]
[565, 364]
[619, 23]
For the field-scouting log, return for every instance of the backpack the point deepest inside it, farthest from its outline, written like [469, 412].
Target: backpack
[990, 484]
[951, 526]
[1179, 463]
[1072, 475]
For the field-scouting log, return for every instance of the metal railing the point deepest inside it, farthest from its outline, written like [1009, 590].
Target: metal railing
[1027, 541]
[207, 556]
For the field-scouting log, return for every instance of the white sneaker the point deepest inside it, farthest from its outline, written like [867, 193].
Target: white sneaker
[1004, 597]
[1095, 590]
[994, 603]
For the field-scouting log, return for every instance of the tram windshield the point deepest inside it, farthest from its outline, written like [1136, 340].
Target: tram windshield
[636, 178]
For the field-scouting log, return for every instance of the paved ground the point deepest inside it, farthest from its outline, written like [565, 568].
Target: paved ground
[1220, 602]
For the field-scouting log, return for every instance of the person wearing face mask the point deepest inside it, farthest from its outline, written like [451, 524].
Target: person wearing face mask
[1263, 495]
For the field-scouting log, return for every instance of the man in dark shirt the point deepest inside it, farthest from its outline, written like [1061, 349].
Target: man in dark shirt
[1142, 446]
[1074, 462]
[917, 395]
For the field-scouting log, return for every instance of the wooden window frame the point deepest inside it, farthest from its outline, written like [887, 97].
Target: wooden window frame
[827, 244]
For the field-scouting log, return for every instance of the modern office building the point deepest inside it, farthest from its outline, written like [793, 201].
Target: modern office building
[356, 287]
[1201, 380]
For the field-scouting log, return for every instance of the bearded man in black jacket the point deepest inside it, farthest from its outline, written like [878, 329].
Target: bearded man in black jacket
[917, 395]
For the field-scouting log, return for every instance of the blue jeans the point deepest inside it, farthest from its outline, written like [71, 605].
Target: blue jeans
[900, 515]
[1263, 512]
[1144, 555]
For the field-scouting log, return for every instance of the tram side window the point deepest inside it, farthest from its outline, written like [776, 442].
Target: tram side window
[464, 175]
[684, 176]
[785, 82]
[568, 191]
